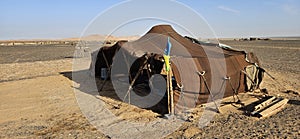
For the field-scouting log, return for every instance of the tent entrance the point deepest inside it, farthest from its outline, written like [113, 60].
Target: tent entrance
[140, 78]
[144, 68]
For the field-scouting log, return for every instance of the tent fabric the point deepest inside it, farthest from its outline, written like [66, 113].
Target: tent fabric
[188, 58]
[103, 57]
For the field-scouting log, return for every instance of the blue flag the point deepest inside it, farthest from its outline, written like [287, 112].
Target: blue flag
[168, 48]
[167, 55]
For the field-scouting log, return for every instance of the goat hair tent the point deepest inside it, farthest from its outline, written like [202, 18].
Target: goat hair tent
[199, 70]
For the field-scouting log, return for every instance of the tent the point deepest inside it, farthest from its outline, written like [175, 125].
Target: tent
[200, 72]
[102, 58]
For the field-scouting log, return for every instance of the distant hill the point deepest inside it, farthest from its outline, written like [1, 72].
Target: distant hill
[98, 37]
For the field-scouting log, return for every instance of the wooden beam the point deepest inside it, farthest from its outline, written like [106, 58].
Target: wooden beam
[262, 105]
[274, 108]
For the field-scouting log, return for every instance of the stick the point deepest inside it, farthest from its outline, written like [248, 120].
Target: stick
[109, 67]
[171, 91]
[265, 72]
[274, 79]
[104, 80]
[133, 81]
[271, 77]
[168, 91]
[248, 77]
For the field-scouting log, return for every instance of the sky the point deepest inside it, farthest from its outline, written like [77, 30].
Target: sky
[56, 19]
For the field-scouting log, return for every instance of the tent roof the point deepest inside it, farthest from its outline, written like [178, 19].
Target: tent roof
[156, 39]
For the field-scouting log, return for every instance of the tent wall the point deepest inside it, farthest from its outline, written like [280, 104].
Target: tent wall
[105, 57]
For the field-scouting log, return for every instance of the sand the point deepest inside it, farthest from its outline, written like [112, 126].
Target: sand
[38, 101]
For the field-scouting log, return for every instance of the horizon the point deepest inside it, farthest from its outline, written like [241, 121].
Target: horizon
[32, 19]
[74, 38]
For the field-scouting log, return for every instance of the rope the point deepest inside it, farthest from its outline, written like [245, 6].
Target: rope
[206, 85]
[234, 90]
[181, 95]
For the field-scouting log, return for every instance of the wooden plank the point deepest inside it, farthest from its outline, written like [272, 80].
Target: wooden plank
[274, 108]
[262, 105]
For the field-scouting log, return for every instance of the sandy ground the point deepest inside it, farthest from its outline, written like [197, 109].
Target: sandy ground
[37, 99]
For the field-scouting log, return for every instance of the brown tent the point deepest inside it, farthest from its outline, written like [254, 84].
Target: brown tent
[199, 70]
[102, 58]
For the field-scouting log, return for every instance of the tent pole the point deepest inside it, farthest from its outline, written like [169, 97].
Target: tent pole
[168, 91]
[244, 72]
[102, 86]
[134, 79]
[274, 79]
[109, 67]
[171, 91]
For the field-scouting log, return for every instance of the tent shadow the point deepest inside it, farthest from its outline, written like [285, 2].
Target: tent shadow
[212, 109]
[67, 74]
[91, 85]
[294, 102]
[88, 84]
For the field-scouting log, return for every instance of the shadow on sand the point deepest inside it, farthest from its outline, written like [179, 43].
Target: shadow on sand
[88, 86]
[294, 102]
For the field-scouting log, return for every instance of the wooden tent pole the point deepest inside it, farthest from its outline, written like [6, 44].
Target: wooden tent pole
[169, 94]
[171, 91]
[107, 74]
[109, 70]
[133, 81]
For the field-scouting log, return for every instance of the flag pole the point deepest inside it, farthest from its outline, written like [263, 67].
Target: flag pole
[169, 77]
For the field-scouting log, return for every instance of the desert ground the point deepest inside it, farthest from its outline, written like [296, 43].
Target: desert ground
[37, 97]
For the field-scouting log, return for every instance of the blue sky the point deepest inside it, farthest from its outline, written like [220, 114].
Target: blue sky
[38, 19]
